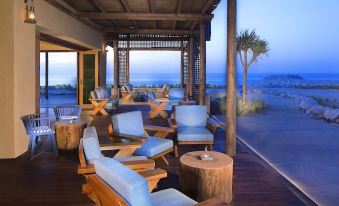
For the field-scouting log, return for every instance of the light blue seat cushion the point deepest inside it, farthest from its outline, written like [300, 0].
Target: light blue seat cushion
[154, 146]
[171, 197]
[102, 93]
[194, 134]
[176, 93]
[191, 115]
[128, 184]
[128, 123]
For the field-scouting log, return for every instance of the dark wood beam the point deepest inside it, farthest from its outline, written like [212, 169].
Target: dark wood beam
[60, 42]
[202, 73]
[179, 3]
[155, 39]
[46, 75]
[207, 5]
[151, 11]
[72, 13]
[190, 68]
[148, 31]
[231, 78]
[145, 16]
[97, 5]
[116, 66]
[128, 10]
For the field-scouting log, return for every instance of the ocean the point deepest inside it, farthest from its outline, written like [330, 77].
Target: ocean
[160, 79]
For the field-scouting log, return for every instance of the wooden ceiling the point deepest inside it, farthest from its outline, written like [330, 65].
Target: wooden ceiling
[140, 16]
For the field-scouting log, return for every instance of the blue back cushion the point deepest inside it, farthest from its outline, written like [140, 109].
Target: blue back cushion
[191, 115]
[176, 93]
[128, 184]
[91, 145]
[102, 93]
[128, 123]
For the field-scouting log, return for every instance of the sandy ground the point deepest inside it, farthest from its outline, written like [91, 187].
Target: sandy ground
[302, 148]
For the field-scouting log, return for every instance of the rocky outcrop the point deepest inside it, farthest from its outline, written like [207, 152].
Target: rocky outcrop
[296, 81]
[311, 106]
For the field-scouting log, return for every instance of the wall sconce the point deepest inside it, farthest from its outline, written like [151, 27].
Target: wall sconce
[29, 12]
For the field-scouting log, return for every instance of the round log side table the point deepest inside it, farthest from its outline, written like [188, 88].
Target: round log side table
[205, 179]
[68, 134]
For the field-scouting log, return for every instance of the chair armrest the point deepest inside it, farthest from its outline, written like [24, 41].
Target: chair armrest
[133, 138]
[119, 146]
[136, 165]
[159, 128]
[88, 169]
[155, 174]
[212, 202]
[212, 125]
[172, 123]
[140, 165]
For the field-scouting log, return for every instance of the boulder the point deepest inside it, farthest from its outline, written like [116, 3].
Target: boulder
[317, 110]
[331, 114]
[307, 103]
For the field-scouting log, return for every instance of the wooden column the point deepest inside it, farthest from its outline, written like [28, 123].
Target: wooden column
[231, 79]
[46, 75]
[202, 74]
[116, 66]
[190, 68]
[182, 81]
[37, 72]
[127, 63]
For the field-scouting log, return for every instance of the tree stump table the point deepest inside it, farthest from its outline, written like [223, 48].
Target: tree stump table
[68, 134]
[205, 179]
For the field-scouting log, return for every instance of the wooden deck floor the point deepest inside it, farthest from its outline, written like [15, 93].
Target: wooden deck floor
[52, 180]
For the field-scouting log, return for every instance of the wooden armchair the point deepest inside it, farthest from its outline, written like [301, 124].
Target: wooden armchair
[126, 94]
[116, 189]
[130, 126]
[192, 126]
[139, 164]
[102, 100]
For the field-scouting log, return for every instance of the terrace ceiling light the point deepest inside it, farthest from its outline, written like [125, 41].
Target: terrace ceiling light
[29, 12]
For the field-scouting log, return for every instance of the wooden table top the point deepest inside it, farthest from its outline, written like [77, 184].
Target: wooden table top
[68, 123]
[220, 160]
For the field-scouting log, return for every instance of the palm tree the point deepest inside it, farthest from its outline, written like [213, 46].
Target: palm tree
[250, 47]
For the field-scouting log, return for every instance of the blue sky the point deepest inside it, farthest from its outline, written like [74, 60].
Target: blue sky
[303, 37]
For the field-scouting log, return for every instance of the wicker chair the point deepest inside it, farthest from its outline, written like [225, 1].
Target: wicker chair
[37, 126]
[72, 110]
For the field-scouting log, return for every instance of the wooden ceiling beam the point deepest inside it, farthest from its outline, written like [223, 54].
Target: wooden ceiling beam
[73, 14]
[179, 2]
[207, 6]
[128, 10]
[149, 31]
[97, 5]
[146, 16]
[151, 11]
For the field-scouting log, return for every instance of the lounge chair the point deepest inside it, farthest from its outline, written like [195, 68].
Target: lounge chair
[101, 99]
[130, 126]
[116, 185]
[176, 95]
[162, 92]
[192, 126]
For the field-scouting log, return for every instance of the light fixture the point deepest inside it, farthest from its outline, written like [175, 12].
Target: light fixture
[29, 12]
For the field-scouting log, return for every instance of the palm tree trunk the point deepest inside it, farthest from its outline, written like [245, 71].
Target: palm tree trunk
[244, 86]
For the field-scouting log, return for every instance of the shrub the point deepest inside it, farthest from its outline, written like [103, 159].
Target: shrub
[251, 107]
[218, 106]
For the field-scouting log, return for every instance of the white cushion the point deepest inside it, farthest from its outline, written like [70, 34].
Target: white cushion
[171, 197]
[128, 123]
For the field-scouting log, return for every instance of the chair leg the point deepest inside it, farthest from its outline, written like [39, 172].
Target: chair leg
[175, 150]
[210, 147]
[161, 161]
[32, 147]
[52, 143]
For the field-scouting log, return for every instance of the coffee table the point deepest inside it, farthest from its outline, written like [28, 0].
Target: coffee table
[68, 133]
[206, 179]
